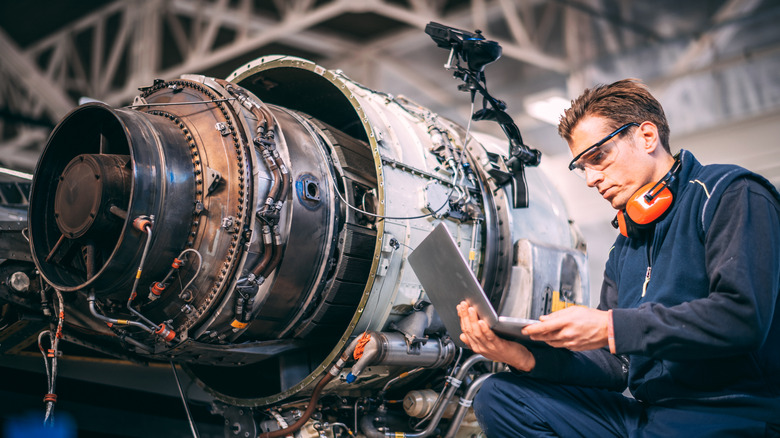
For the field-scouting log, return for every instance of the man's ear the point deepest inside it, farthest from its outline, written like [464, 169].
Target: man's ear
[648, 136]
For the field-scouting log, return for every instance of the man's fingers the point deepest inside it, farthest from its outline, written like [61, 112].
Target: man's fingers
[465, 322]
[485, 330]
[543, 328]
[472, 315]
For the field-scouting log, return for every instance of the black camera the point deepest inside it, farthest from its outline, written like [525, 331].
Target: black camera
[471, 47]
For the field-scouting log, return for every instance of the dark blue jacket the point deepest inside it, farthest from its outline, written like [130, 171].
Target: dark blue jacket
[706, 332]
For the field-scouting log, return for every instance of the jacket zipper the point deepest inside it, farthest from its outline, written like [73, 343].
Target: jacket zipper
[649, 261]
[647, 280]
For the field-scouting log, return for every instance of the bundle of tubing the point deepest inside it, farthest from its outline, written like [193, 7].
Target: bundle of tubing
[368, 428]
[54, 339]
[144, 225]
[333, 372]
[268, 242]
[279, 189]
[158, 287]
[464, 404]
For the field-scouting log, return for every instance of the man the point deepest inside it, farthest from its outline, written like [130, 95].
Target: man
[689, 315]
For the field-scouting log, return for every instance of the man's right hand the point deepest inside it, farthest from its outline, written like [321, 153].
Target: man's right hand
[482, 340]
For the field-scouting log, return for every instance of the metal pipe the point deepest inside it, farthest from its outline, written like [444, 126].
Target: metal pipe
[454, 383]
[184, 402]
[464, 404]
[96, 314]
[275, 184]
[277, 252]
[399, 377]
[306, 415]
[267, 252]
[145, 225]
[333, 372]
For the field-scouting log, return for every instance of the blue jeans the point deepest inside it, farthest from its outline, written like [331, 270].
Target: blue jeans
[511, 406]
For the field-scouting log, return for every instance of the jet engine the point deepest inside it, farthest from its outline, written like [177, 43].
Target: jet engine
[255, 231]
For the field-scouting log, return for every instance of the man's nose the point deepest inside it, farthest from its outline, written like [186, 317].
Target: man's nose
[592, 177]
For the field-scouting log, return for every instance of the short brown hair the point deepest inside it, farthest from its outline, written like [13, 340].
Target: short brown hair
[622, 102]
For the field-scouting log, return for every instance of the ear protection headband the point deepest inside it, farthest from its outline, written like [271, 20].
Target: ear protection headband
[647, 205]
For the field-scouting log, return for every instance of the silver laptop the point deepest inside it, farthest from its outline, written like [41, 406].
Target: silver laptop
[447, 279]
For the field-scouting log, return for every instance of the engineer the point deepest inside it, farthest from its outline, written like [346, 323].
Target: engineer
[689, 317]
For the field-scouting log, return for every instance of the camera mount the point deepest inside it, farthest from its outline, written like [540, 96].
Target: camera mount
[477, 52]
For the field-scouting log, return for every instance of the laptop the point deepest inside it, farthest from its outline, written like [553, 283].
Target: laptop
[447, 279]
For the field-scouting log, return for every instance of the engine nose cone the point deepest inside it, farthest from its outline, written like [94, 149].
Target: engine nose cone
[87, 187]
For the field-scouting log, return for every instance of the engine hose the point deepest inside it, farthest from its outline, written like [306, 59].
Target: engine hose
[367, 423]
[315, 396]
[273, 192]
[96, 314]
[263, 140]
[143, 224]
[268, 119]
[464, 404]
[277, 252]
[285, 184]
[334, 371]
[243, 98]
[267, 252]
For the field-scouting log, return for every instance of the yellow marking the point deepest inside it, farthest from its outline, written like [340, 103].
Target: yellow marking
[238, 324]
[472, 255]
[558, 303]
[138, 274]
[121, 321]
[706, 192]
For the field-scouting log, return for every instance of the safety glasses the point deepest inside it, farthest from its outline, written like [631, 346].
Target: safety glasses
[599, 156]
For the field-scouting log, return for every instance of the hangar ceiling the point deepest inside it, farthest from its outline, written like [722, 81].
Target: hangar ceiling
[712, 63]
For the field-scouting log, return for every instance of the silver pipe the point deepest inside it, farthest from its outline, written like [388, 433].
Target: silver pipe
[367, 425]
[184, 402]
[464, 404]
[93, 310]
[400, 376]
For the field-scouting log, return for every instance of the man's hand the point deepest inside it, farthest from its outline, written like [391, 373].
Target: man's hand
[482, 340]
[575, 328]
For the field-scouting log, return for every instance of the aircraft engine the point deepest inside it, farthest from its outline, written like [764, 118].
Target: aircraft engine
[255, 230]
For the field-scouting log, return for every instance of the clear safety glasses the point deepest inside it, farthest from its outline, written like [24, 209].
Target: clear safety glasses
[599, 156]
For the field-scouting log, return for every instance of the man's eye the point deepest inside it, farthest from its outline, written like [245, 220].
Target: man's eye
[599, 157]
[595, 157]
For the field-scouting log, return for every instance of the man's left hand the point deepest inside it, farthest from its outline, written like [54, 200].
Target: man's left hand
[575, 328]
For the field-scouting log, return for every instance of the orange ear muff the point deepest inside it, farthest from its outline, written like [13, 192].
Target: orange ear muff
[620, 223]
[647, 205]
[643, 211]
